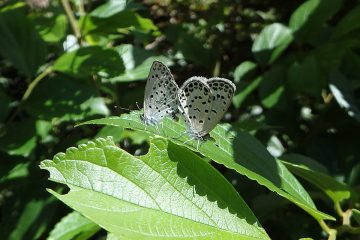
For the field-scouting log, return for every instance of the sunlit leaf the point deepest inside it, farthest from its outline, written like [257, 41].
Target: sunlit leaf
[116, 23]
[184, 195]
[309, 19]
[271, 42]
[87, 61]
[243, 70]
[137, 63]
[108, 9]
[53, 29]
[235, 150]
[71, 226]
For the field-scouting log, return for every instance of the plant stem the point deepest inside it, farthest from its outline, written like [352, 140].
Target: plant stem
[33, 84]
[324, 226]
[28, 91]
[73, 22]
[338, 209]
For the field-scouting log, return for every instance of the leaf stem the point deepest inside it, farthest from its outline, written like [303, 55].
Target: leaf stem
[73, 22]
[29, 90]
[33, 84]
[338, 209]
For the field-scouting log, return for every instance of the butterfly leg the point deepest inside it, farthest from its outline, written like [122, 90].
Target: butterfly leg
[182, 134]
[198, 144]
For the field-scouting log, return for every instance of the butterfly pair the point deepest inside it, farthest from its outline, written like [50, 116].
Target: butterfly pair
[201, 101]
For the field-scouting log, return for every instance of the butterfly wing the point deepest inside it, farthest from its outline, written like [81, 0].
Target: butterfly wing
[222, 91]
[194, 103]
[160, 98]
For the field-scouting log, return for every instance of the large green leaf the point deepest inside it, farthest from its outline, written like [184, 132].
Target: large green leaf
[137, 63]
[20, 43]
[52, 29]
[62, 98]
[271, 42]
[119, 22]
[73, 225]
[349, 23]
[87, 61]
[235, 150]
[108, 9]
[168, 193]
[304, 76]
[33, 220]
[334, 189]
[309, 19]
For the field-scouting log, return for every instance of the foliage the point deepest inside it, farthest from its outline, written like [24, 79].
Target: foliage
[285, 165]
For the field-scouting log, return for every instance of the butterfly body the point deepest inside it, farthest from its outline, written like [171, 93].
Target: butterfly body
[203, 102]
[160, 98]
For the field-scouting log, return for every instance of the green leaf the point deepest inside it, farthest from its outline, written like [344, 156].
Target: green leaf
[304, 76]
[271, 42]
[344, 94]
[348, 24]
[243, 71]
[53, 29]
[115, 132]
[34, 220]
[309, 19]
[136, 137]
[335, 190]
[108, 9]
[120, 22]
[71, 226]
[299, 159]
[272, 86]
[235, 150]
[245, 91]
[14, 143]
[62, 99]
[356, 215]
[20, 170]
[20, 43]
[87, 61]
[171, 186]
[137, 63]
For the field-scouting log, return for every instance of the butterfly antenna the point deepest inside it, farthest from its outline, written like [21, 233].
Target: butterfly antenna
[137, 105]
[122, 108]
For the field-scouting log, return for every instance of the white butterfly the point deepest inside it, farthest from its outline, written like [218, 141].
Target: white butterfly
[160, 98]
[203, 102]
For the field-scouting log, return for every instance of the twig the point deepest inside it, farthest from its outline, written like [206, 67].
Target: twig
[29, 90]
[73, 22]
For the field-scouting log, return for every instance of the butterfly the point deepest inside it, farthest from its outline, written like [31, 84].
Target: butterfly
[161, 91]
[203, 102]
